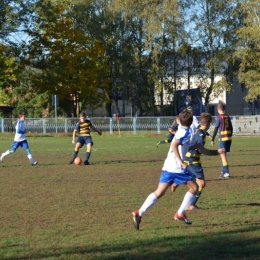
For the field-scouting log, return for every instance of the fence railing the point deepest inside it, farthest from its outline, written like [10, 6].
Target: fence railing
[242, 125]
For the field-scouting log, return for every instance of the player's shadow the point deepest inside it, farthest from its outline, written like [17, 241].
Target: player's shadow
[252, 204]
[126, 161]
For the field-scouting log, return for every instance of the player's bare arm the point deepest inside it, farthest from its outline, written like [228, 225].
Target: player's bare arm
[74, 136]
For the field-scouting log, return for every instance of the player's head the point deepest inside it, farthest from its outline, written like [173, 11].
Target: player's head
[82, 116]
[205, 120]
[221, 106]
[188, 108]
[186, 118]
[22, 115]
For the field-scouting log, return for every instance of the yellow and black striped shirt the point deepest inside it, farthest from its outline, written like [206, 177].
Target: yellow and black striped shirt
[83, 128]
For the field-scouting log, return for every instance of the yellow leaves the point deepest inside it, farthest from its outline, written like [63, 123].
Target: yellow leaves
[249, 49]
[7, 67]
[74, 61]
[222, 85]
[251, 78]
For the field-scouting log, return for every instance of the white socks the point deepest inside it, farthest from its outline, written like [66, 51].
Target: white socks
[5, 153]
[30, 158]
[187, 201]
[150, 201]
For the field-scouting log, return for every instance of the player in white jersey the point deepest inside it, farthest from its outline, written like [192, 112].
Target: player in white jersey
[20, 140]
[174, 171]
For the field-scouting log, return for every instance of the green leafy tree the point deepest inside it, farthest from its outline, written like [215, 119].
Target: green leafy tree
[101, 21]
[210, 27]
[153, 23]
[26, 98]
[8, 67]
[70, 64]
[248, 51]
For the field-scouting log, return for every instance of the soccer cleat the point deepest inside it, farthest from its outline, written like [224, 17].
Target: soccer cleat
[71, 161]
[226, 175]
[182, 217]
[193, 207]
[86, 163]
[34, 163]
[157, 144]
[1, 158]
[137, 219]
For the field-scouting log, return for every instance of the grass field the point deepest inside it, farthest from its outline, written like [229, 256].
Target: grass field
[60, 211]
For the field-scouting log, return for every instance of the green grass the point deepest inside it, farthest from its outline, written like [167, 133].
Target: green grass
[61, 211]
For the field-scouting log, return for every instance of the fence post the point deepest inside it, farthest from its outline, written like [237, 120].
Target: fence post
[234, 125]
[134, 125]
[66, 125]
[2, 125]
[158, 125]
[258, 125]
[111, 125]
[44, 125]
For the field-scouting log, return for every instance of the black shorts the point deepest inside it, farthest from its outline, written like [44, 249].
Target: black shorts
[84, 140]
[196, 170]
[225, 144]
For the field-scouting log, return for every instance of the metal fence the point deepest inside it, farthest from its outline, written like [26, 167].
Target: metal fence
[242, 125]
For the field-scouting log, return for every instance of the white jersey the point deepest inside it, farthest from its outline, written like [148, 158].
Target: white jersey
[194, 126]
[171, 163]
[19, 131]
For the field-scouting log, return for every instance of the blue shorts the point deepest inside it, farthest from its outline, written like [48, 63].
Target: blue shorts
[178, 178]
[23, 144]
[84, 140]
[225, 144]
[196, 170]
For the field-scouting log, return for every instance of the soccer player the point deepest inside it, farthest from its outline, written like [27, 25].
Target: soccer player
[192, 157]
[83, 128]
[173, 171]
[224, 126]
[172, 131]
[20, 140]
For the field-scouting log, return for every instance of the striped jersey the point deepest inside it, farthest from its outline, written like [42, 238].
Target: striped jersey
[223, 123]
[193, 156]
[83, 128]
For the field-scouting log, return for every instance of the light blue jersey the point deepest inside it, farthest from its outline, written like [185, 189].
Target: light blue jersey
[19, 131]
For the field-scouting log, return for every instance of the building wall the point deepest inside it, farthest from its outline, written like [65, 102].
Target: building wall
[235, 101]
[236, 104]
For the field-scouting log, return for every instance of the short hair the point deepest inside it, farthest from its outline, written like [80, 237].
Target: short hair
[221, 106]
[205, 118]
[189, 108]
[83, 114]
[22, 113]
[186, 118]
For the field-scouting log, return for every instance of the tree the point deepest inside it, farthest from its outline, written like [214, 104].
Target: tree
[24, 97]
[69, 63]
[8, 67]
[153, 22]
[248, 51]
[210, 26]
[102, 21]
